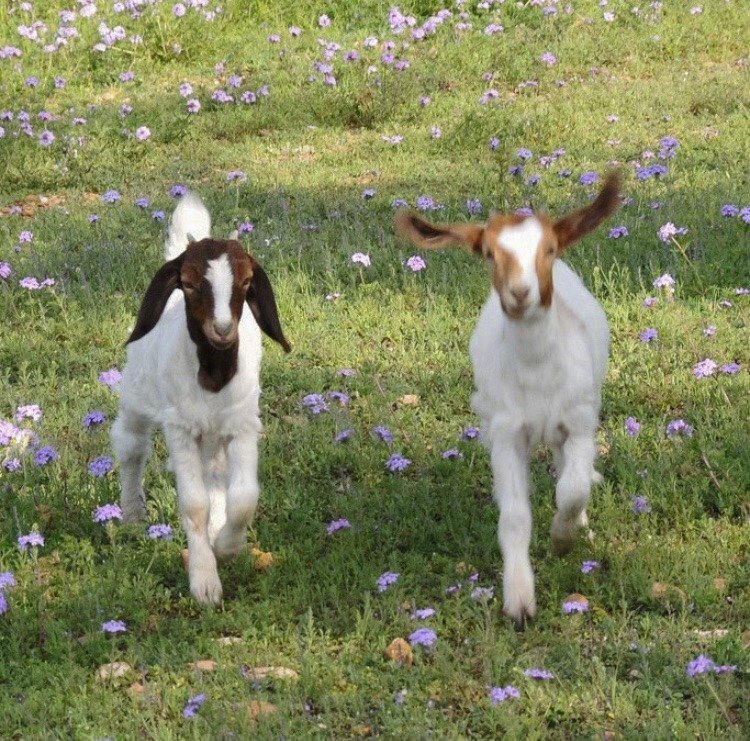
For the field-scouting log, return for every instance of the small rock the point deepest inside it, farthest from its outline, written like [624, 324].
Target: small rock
[228, 640]
[272, 672]
[262, 560]
[115, 670]
[399, 651]
[409, 400]
[660, 589]
[256, 708]
[204, 665]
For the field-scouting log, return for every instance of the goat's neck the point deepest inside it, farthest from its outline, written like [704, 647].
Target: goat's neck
[535, 340]
[217, 367]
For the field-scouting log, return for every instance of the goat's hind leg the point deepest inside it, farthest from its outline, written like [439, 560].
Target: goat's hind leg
[242, 495]
[131, 440]
[573, 491]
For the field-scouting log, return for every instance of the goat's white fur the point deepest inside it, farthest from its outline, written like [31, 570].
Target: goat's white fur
[219, 275]
[212, 438]
[539, 380]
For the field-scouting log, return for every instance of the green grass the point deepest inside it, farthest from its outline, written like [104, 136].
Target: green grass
[309, 151]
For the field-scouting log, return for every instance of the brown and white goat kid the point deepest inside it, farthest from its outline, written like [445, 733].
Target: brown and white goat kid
[193, 364]
[539, 353]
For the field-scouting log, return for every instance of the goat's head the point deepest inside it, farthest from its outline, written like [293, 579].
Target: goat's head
[216, 277]
[520, 249]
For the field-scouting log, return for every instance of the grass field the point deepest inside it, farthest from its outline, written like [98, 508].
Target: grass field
[321, 132]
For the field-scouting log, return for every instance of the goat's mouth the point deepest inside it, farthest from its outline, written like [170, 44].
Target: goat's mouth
[221, 342]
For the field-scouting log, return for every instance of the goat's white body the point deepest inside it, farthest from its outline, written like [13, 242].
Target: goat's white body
[212, 437]
[539, 380]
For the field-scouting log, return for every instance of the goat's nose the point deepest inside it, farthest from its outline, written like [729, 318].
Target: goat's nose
[520, 294]
[222, 328]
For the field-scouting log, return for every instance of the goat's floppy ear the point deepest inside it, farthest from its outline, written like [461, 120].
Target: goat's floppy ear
[434, 236]
[572, 227]
[166, 280]
[262, 303]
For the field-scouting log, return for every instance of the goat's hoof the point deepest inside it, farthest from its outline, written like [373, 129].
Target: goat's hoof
[206, 588]
[561, 546]
[229, 544]
[524, 618]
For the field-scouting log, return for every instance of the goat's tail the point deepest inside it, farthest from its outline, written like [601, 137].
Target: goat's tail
[190, 222]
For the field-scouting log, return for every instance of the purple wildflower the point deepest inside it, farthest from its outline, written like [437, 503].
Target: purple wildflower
[193, 105]
[423, 637]
[451, 454]
[360, 258]
[29, 411]
[588, 178]
[534, 673]
[470, 433]
[678, 427]
[648, 335]
[45, 455]
[141, 202]
[315, 403]
[618, 231]
[142, 133]
[386, 579]
[416, 263]
[158, 215]
[650, 171]
[397, 463]
[473, 206]
[178, 190]
[548, 58]
[236, 175]
[3, 603]
[33, 539]
[703, 664]
[704, 368]
[493, 143]
[709, 331]
[383, 433]
[339, 396]
[575, 606]
[324, 21]
[664, 281]
[501, 694]
[340, 524]
[424, 613]
[588, 566]
[343, 436]
[106, 513]
[728, 210]
[161, 531]
[632, 426]
[730, 368]
[649, 301]
[46, 138]
[669, 230]
[346, 372]
[7, 580]
[481, 594]
[524, 154]
[368, 193]
[112, 627]
[110, 377]
[425, 203]
[11, 464]
[101, 466]
[640, 505]
[111, 196]
[5, 270]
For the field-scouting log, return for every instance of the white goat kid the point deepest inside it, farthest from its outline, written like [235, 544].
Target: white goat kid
[193, 363]
[539, 358]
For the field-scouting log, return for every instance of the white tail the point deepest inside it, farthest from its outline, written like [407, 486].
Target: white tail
[190, 222]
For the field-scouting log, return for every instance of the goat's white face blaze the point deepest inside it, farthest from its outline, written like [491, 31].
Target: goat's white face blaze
[221, 279]
[518, 283]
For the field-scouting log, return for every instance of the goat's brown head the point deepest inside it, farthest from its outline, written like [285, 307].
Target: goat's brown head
[521, 249]
[216, 277]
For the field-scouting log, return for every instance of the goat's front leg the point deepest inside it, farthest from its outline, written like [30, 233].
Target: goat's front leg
[511, 490]
[193, 503]
[573, 490]
[131, 440]
[242, 496]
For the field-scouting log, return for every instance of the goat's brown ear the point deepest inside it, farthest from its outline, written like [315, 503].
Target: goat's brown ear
[434, 236]
[166, 280]
[572, 227]
[262, 303]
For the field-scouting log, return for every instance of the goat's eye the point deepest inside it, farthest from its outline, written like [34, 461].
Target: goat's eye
[189, 287]
[246, 283]
[489, 255]
[550, 251]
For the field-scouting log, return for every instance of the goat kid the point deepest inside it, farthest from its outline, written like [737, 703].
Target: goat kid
[539, 353]
[193, 363]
